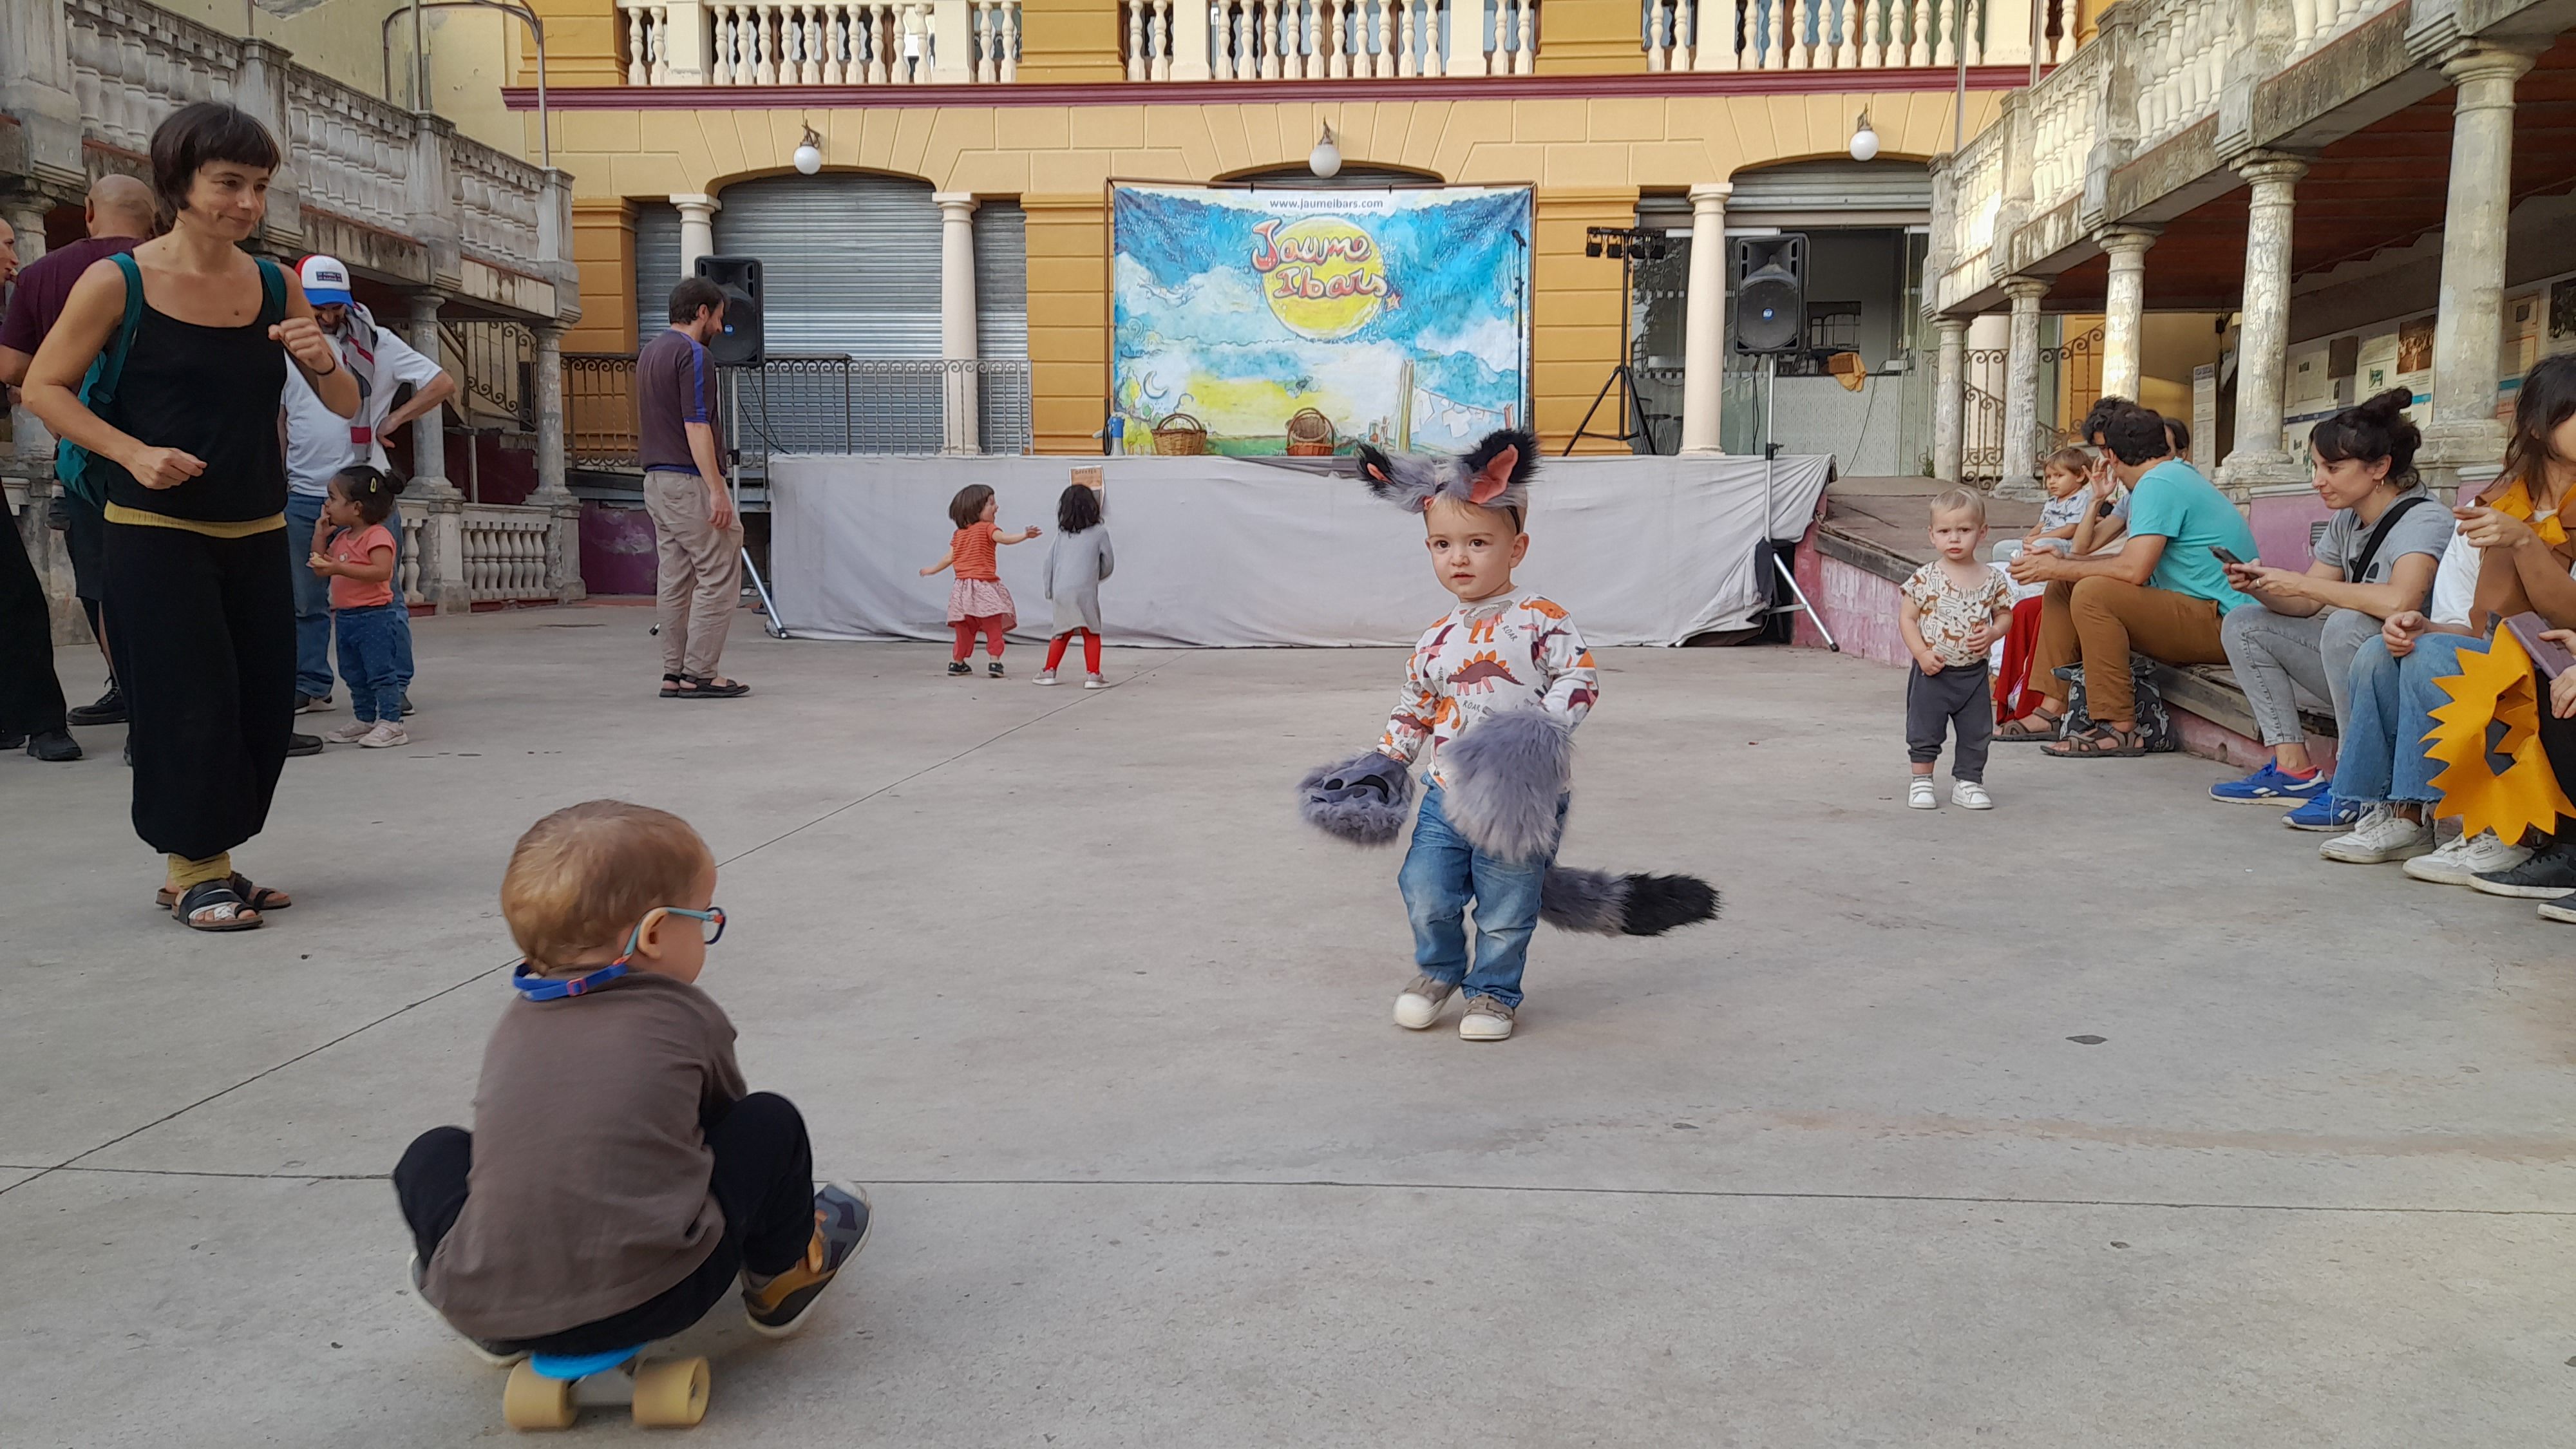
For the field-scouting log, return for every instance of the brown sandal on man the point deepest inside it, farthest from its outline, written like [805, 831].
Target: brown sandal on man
[2014, 732]
[2102, 742]
[256, 897]
[700, 686]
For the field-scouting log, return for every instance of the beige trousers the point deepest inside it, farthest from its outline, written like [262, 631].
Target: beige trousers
[700, 573]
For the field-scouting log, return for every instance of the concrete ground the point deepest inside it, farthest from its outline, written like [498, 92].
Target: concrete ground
[1063, 980]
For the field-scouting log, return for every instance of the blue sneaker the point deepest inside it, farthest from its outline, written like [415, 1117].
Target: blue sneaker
[2325, 812]
[2271, 785]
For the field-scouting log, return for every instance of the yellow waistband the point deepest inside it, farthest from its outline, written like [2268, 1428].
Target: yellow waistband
[136, 517]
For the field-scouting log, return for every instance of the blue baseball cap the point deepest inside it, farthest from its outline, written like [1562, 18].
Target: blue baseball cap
[326, 280]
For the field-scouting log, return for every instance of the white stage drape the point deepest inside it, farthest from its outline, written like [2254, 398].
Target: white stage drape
[1232, 552]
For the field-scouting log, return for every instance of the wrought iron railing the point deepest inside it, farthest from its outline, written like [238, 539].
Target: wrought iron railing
[792, 404]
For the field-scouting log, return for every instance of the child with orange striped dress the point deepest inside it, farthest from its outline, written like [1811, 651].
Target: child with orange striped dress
[977, 602]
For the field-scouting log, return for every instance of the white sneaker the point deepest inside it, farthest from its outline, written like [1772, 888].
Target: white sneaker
[1418, 1006]
[1094, 681]
[1919, 794]
[1044, 676]
[2383, 835]
[1970, 795]
[385, 735]
[1486, 1020]
[2459, 862]
[351, 733]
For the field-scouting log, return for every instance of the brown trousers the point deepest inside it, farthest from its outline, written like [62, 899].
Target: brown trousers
[2099, 620]
[700, 573]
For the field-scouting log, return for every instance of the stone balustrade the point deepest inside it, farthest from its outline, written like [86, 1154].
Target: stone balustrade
[1725, 35]
[506, 552]
[833, 43]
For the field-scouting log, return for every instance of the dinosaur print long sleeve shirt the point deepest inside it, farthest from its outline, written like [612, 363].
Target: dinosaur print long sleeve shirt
[1493, 656]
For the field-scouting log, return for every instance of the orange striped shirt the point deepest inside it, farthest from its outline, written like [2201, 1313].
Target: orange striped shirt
[973, 549]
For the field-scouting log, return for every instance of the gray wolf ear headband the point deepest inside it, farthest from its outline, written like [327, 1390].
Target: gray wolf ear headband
[1493, 474]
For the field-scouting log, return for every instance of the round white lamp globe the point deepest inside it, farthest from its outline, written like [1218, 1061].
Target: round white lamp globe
[1326, 159]
[809, 158]
[1864, 142]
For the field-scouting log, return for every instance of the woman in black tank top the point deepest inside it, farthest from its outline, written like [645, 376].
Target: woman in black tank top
[184, 453]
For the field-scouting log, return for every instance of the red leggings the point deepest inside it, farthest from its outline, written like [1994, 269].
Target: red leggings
[1090, 650]
[990, 625]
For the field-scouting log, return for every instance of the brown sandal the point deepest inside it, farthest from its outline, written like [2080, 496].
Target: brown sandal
[2014, 732]
[2102, 742]
[256, 897]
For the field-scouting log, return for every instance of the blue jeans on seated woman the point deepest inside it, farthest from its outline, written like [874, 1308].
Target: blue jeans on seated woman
[1442, 872]
[2381, 756]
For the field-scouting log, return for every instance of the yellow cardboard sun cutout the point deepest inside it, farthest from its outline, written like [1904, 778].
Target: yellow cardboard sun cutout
[2496, 687]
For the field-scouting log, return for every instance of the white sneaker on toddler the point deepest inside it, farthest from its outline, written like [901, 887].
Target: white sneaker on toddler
[1487, 1019]
[350, 733]
[1044, 676]
[1094, 681]
[386, 734]
[1919, 794]
[1418, 1006]
[1970, 795]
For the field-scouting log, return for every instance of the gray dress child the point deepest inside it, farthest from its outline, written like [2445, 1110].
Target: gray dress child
[1076, 563]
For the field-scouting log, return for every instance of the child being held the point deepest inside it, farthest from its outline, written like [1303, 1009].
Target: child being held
[1076, 563]
[618, 1179]
[355, 551]
[1956, 607]
[2067, 474]
[977, 602]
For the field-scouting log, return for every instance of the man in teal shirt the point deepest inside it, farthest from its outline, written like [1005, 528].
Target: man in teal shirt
[2163, 594]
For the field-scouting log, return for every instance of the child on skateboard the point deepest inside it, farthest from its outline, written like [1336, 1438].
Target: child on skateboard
[618, 1180]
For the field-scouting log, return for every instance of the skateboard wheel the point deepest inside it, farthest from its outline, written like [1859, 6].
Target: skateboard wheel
[532, 1401]
[671, 1394]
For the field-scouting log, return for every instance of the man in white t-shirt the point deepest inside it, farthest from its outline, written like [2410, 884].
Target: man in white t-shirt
[319, 443]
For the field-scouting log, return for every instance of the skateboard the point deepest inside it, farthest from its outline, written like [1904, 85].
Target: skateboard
[547, 1391]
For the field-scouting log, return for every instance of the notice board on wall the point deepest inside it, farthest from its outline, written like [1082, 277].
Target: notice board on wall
[1400, 314]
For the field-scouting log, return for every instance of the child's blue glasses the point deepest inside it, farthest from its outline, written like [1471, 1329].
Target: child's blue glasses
[543, 988]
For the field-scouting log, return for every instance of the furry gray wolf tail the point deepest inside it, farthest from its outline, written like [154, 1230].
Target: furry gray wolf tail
[1505, 777]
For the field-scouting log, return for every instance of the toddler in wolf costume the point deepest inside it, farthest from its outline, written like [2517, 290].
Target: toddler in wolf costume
[1491, 698]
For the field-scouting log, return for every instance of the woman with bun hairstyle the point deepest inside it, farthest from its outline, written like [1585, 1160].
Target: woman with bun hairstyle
[2376, 558]
[2506, 540]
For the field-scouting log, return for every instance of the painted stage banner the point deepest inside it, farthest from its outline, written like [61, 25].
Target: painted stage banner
[1401, 315]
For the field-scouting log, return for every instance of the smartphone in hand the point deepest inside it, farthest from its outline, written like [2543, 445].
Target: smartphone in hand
[2229, 559]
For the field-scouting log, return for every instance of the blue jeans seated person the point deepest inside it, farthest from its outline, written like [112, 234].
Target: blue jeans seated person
[313, 603]
[2381, 763]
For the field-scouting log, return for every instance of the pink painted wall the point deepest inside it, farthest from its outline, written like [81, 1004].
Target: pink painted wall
[2281, 527]
[616, 550]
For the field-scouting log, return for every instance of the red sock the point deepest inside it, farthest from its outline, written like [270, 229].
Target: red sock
[1091, 651]
[1055, 651]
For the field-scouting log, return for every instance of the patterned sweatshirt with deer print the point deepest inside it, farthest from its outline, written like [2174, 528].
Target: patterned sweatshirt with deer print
[1493, 656]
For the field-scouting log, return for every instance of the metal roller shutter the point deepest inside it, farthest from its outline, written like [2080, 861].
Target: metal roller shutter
[1832, 193]
[657, 266]
[850, 264]
[1001, 280]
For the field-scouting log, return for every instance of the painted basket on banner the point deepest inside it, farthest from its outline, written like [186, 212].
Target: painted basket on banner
[1180, 436]
[1310, 435]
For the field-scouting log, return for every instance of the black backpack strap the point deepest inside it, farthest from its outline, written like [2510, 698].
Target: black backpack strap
[272, 293]
[2358, 569]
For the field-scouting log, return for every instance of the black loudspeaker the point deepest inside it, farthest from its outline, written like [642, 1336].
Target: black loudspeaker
[1771, 293]
[739, 345]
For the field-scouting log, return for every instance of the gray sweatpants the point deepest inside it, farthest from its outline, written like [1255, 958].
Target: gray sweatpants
[1959, 695]
[2271, 652]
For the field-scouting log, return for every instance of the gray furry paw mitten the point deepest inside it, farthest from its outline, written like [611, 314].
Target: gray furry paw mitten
[1501, 780]
[1364, 799]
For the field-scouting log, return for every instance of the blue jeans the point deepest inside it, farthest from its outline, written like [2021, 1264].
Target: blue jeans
[2381, 756]
[313, 600]
[367, 660]
[1441, 874]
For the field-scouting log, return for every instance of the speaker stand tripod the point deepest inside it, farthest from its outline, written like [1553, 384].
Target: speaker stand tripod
[769, 620]
[1770, 470]
[1632, 413]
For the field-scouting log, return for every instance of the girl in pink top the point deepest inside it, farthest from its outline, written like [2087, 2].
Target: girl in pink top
[977, 602]
[355, 551]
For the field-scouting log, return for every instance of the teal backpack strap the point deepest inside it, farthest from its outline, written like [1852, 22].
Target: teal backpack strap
[272, 293]
[98, 388]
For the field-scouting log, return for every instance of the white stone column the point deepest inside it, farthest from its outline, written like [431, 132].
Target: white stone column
[957, 316]
[1191, 32]
[563, 528]
[2124, 308]
[1704, 321]
[25, 214]
[2262, 348]
[442, 526]
[2468, 331]
[1950, 398]
[2021, 390]
[697, 228]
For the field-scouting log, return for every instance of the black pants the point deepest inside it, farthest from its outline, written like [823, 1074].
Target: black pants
[31, 698]
[205, 651]
[764, 1181]
[1959, 695]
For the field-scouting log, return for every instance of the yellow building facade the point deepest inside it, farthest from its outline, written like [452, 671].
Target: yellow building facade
[1604, 125]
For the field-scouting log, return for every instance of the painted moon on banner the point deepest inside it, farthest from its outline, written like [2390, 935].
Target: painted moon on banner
[1336, 286]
